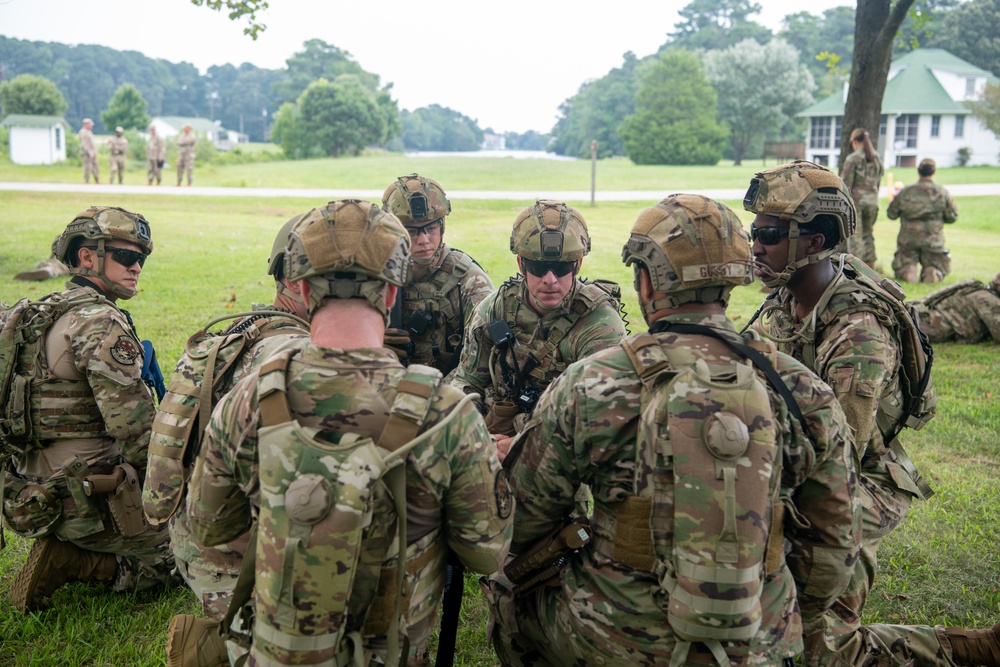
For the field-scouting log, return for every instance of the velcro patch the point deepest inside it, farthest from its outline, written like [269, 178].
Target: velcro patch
[505, 499]
[706, 271]
[125, 351]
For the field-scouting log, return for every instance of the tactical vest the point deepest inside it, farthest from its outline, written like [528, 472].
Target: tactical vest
[431, 296]
[541, 354]
[199, 380]
[915, 403]
[328, 502]
[70, 408]
[706, 491]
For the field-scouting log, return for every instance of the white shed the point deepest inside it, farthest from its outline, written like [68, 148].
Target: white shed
[36, 139]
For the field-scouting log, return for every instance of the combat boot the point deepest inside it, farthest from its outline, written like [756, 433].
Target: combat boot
[910, 274]
[195, 641]
[975, 648]
[931, 275]
[52, 563]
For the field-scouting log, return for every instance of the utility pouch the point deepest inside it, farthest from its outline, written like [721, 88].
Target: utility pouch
[125, 503]
[34, 510]
[546, 558]
[77, 473]
[500, 418]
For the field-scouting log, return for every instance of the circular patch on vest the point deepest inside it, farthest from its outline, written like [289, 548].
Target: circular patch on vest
[125, 351]
[505, 499]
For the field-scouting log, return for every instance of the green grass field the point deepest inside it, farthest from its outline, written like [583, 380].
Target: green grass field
[942, 566]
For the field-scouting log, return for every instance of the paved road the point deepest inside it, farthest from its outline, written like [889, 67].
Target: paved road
[376, 195]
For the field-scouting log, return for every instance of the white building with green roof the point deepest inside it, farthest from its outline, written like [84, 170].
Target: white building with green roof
[170, 126]
[924, 114]
[36, 139]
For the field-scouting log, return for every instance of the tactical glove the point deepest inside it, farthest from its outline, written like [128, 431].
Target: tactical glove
[398, 340]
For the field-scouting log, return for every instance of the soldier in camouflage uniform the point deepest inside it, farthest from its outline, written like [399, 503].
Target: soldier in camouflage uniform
[349, 260]
[841, 328]
[211, 571]
[613, 602]
[156, 153]
[49, 268]
[88, 152]
[553, 316]
[92, 413]
[966, 312]
[118, 148]
[187, 140]
[923, 208]
[446, 284]
[862, 173]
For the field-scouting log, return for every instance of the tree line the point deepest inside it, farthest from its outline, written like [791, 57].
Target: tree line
[746, 81]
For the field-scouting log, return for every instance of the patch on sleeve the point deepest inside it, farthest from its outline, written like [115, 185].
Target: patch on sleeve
[505, 499]
[125, 351]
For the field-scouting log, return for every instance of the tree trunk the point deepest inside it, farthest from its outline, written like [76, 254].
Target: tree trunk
[875, 26]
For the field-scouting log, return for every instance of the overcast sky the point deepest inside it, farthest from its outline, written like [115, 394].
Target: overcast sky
[508, 64]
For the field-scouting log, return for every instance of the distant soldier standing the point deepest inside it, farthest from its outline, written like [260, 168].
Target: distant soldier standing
[118, 147]
[88, 152]
[445, 284]
[924, 208]
[186, 142]
[862, 173]
[156, 153]
[540, 321]
[966, 312]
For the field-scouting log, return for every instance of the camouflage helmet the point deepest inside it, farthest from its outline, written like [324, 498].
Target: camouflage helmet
[101, 224]
[694, 248]
[798, 192]
[276, 262]
[550, 231]
[416, 200]
[795, 192]
[347, 249]
[995, 283]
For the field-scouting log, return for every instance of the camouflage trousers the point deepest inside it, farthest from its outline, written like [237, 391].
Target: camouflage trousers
[542, 629]
[843, 640]
[154, 172]
[90, 167]
[211, 572]
[117, 168]
[861, 244]
[921, 243]
[144, 560]
[185, 162]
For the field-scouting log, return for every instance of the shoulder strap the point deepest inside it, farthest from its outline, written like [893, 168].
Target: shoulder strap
[755, 357]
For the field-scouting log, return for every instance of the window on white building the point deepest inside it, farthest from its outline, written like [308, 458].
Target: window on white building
[906, 130]
[970, 88]
[58, 138]
[935, 126]
[819, 132]
[959, 127]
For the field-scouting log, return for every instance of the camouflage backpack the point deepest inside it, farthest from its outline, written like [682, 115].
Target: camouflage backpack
[22, 328]
[707, 439]
[206, 368]
[328, 505]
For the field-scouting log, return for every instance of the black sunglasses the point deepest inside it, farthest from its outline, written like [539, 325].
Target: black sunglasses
[123, 256]
[539, 269]
[768, 235]
[427, 229]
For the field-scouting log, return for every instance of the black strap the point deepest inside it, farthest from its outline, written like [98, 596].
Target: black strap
[755, 357]
[451, 608]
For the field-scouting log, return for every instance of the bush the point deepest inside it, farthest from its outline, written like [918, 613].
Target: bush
[964, 155]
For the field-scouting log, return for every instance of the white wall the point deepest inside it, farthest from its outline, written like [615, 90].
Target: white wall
[37, 145]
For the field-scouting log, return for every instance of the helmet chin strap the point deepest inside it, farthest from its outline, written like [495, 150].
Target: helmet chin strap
[772, 279]
[119, 291]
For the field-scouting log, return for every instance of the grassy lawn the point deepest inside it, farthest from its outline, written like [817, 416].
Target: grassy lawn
[210, 257]
[375, 171]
